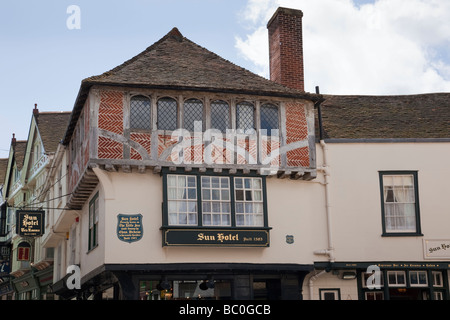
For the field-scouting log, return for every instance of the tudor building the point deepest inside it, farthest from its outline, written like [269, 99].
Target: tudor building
[177, 165]
[186, 176]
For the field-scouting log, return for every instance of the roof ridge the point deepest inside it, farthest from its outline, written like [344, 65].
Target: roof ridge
[174, 33]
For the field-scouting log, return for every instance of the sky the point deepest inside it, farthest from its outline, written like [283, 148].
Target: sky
[361, 47]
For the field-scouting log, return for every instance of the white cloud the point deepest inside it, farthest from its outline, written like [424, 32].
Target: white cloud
[387, 47]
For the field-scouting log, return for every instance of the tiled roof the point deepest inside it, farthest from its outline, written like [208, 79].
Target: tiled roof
[175, 61]
[52, 126]
[3, 168]
[19, 153]
[386, 117]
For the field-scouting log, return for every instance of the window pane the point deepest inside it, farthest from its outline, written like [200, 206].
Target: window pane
[167, 114]
[140, 113]
[249, 202]
[215, 199]
[220, 115]
[245, 116]
[399, 203]
[193, 111]
[269, 118]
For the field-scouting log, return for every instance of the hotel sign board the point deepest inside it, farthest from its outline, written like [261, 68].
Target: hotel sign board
[436, 249]
[30, 223]
[216, 237]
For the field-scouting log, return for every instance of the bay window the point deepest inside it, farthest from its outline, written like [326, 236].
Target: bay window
[211, 200]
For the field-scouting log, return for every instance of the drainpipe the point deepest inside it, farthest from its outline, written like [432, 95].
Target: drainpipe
[329, 252]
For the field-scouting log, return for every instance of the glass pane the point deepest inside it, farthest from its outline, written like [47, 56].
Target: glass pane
[225, 195]
[171, 193]
[224, 182]
[238, 183]
[171, 181]
[239, 220]
[206, 206]
[167, 114]
[192, 194]
[206, 195]
[191, 181]
[215, 182]
[215, 194]
[172, 206]
[140, 112]
[269, 118]
[239, 208]
[248, 183]
[207, 219]
[239, 195]
[245, 116]
[220, 115]
[205, 182]
[192, 206]
[193, 111]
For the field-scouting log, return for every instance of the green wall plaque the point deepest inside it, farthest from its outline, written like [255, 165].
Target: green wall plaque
[129, 227]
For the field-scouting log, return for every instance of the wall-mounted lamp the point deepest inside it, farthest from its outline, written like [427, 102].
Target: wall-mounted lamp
[348, 275]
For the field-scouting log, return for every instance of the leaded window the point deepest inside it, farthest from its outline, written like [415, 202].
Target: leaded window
[245, 116]
[220, 115]
[167, 114]
[140, 113]
[193, 112]
[269, 118]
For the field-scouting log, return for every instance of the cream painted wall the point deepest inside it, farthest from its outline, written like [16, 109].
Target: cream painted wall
[356, 202]
[295, 208]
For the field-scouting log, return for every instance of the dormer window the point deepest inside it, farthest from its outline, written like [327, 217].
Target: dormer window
[140, 113]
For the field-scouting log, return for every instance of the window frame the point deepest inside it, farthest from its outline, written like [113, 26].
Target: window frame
[400, 233]
[159, 113]
[268, 106]
[149, 124]
[165, 172]
[93, 222]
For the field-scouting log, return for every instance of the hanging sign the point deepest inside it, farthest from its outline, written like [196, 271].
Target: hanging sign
[129, 227]
[30, 223]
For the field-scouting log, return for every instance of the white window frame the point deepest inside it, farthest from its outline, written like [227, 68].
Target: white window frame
[396, 273]
[418, 274]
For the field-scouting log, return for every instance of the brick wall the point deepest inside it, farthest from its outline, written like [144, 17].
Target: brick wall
[286, 48]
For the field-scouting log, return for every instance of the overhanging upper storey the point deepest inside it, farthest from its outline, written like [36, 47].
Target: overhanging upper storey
[179, 105]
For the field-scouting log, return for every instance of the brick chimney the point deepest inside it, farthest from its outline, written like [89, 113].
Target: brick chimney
[286, 48]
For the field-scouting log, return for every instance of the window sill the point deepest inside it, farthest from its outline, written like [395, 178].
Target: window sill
[402, 234]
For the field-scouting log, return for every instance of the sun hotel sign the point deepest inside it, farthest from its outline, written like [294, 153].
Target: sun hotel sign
[30, 223]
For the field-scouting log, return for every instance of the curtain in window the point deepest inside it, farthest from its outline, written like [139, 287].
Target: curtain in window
[399, 203]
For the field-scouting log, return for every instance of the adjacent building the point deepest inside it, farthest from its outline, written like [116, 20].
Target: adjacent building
[179, 175]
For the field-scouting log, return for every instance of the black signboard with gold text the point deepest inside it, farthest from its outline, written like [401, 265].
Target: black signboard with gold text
[216, 237]
[30, 223]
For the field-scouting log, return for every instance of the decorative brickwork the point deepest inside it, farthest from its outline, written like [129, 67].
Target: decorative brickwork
[110, 118]
[296, 131]
[144, 139]
[109, 149]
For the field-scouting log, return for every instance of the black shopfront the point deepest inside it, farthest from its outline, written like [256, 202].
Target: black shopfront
[398, 280]
[191, 281]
